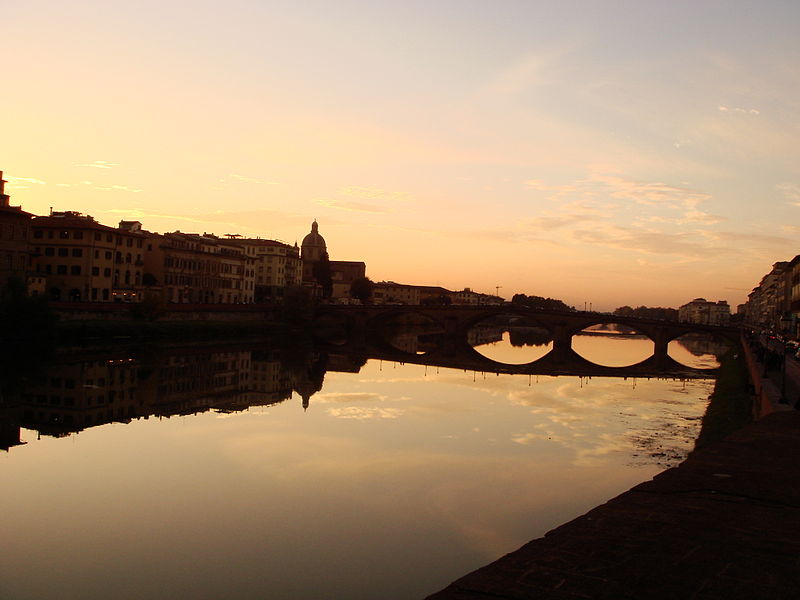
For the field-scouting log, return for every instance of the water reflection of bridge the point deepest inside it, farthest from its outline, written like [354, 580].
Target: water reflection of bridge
[363, 330]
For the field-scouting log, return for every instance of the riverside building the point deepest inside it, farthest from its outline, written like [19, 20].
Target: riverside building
[82, 260]
[277, 267]
[702, 311]
[14, 248]
[204, 269]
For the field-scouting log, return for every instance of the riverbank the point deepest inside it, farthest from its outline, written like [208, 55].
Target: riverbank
[723, 525]
[730, 406]
[89, 330]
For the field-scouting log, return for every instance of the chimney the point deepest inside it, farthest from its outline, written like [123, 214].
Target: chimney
[4, 198]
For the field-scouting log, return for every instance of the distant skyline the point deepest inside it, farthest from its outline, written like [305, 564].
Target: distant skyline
[605, 152]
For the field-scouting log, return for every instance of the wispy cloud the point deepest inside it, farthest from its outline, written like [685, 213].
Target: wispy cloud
[377, 194]
[120, 188]
[359, 413]
[99, 164]
[736, 109]
[23, 180]
[245, 179]
[651, 242]
[790, 191]
[727, 237]
[351, 205]
[364, 199]
[600, 194]
[651, 193]
[347, 397]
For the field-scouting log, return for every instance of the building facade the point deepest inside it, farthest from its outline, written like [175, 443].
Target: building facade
[82, 260]
[14, 247]
[702, 311]
[201, 269]
[277, 267]
[389, 292]
[343, 274]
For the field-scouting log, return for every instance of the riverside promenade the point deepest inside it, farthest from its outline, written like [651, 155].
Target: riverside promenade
[725, 524]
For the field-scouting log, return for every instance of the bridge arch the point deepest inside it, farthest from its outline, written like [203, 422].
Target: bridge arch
[509, 336]
[415, 316]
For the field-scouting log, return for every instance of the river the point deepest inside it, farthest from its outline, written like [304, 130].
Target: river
[265, 471]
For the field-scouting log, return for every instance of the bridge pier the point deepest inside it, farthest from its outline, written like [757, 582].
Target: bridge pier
[562, 344]
[660, 352]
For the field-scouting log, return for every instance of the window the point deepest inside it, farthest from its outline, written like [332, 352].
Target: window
[106, 272]
[97, 253]
[108, 254]
[61, 269]
[49, 251]
[94, 293]
[77, 235]
[97, 236]
[63, 252]
[64, 235]
[95, 271]
[75, 270]
[38, 234]
[78, 252]
[130, 242]
[48, 268]
[105, 291]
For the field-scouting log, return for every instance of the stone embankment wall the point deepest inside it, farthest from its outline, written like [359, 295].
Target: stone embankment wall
[104, 311]
[766, 395]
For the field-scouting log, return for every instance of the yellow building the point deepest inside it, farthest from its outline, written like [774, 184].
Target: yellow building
[82, 260]
[277, 267]
[193, 268]
[704, 312]
[389, 292]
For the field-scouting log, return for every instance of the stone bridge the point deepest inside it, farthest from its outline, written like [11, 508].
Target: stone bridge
[362, 330]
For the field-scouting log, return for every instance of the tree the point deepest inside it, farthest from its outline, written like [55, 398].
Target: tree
[361, 289]
[322, 273]
[540, 303]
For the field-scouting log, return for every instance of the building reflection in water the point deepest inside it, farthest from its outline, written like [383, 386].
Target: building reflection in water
[117, 385]
[78, 392]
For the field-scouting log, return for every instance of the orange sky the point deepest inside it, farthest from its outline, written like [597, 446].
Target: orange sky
[634, 154]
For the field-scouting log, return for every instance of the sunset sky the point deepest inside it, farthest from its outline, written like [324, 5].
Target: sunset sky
[641, 152]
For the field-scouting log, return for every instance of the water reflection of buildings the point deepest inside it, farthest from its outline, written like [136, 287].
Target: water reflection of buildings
[414, 341]
[701, 345]
[73, 395]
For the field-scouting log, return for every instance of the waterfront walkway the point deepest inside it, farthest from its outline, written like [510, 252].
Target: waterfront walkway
[725, 525]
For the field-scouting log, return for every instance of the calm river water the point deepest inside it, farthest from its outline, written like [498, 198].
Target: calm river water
[200, 474]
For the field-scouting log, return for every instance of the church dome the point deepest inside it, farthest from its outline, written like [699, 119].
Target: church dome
[313, 246]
